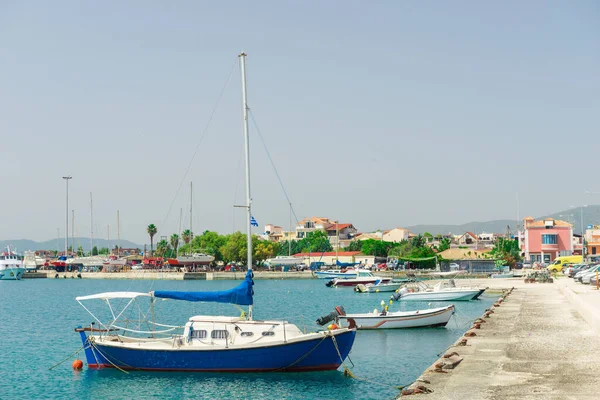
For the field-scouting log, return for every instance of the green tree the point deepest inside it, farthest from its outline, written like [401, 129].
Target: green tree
[174, 240]
[355, 245]
[318, 241]
[210, 242]
[444, 244]
[151, 232]
[428, 236]
[162, 248]
[235, 248]
[186, 236]
[95, 250]
[80, 252]
[506, 252]
[104, 250]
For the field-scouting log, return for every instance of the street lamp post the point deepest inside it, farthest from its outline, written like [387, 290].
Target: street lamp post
[67, 178]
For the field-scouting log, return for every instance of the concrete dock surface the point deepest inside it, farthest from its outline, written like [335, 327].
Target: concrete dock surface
[536, 345]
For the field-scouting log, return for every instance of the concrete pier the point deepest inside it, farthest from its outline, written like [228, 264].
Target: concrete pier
[536, 345]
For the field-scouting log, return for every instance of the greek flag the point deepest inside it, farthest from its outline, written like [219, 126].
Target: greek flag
[253, 221]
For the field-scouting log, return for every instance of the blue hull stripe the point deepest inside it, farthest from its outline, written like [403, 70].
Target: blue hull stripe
[313, 355]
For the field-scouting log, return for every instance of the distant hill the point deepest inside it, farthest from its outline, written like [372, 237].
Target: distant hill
[591, 216]
[25, 244]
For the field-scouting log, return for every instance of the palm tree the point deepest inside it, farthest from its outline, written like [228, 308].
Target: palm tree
[162, 248]
[187, 237]
[152, 231]
[174, 242]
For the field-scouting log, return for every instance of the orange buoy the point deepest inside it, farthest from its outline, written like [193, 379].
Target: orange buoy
[332, 327]
[77, 364]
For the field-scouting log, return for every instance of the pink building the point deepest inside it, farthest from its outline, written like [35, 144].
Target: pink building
[544, 240]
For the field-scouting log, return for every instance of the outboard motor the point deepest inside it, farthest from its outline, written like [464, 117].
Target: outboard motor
[329, 283]
[332, 316]
[396, 296]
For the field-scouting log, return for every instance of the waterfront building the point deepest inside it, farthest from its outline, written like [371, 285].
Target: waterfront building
[468, 239]
[340, 235]
[397, 235]
[592, 239]
[474, 261]
[311, 224]
[544, 240]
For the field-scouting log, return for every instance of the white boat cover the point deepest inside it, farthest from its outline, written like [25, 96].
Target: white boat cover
[113, 295]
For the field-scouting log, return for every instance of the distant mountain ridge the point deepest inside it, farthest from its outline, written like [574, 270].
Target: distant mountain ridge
[25, 244]
[591, 216]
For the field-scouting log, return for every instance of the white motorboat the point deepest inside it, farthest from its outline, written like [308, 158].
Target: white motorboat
[401, 319]
[336, 273]
[283, 261]
[377, 287]
[442, 291]
[363, 276]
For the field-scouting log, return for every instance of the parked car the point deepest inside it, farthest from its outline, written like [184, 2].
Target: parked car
[587, 274]
[572, 270]
[518, 265]
[581, 272]
[454, 267]
[527, 264]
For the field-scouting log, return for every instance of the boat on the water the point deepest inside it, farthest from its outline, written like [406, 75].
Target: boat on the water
[336, 273]
[402, 319]
[283, 261]
[363, 276]
[377, 287]
[209, 343]
[442, 291]
[11, 266]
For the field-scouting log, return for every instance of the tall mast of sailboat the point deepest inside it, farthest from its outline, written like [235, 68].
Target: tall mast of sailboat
[91, 225]
[289, 233]
[118, 234]
[191, 203]
[247, 151]
[247, 148]
[180, 217]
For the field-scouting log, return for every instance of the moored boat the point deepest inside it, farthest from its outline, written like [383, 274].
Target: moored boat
[11, 266]
[336, 273]
[363, 276]
[195, 259]
[402, 319]
[442, 291]
[210, 343]
[377, 287]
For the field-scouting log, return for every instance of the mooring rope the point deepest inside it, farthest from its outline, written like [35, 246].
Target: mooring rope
[56, 365]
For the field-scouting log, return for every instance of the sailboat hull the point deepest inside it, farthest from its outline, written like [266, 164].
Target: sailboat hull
[315, 354]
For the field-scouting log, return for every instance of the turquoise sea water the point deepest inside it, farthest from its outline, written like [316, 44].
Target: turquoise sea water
[37, 318]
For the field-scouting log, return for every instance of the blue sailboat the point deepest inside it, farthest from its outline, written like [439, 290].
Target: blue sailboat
[212, 343]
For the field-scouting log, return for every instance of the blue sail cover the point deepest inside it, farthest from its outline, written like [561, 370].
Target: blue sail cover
[241, 294]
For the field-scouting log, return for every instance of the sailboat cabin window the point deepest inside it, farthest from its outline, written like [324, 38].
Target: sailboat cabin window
[201, 334]
[219, 334]
[247, 334]
[268, 333]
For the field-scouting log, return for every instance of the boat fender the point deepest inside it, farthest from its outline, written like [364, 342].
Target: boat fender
[332, 327]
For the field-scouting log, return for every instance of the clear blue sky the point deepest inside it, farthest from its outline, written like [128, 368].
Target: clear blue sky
[386, 114]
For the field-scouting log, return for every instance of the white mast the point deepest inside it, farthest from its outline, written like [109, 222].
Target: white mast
[91, 225]
[67, 178]
[118, 234]
[73, 232]
[247, 148]
[191, 203]
[180, 217]
[289, 233]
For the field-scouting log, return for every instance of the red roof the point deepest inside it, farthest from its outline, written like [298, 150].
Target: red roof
[328, 254]
[332, 227]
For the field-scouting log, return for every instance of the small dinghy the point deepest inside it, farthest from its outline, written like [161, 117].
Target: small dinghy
[401, 319]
